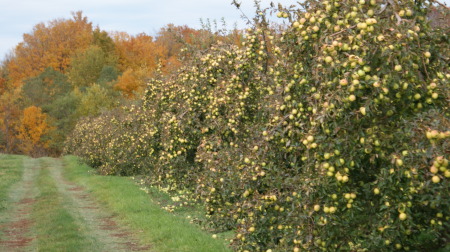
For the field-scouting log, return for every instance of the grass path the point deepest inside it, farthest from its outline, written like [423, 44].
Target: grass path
[52, 204]
[15, 233]
[96, 223]
[45, 212]
[164, 231]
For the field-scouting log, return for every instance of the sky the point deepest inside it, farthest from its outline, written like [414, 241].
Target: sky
[132, 16]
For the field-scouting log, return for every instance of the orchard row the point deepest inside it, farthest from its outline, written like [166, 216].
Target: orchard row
[331, 133]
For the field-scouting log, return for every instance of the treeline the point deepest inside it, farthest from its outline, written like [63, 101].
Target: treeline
[329, 135]
[68, 69]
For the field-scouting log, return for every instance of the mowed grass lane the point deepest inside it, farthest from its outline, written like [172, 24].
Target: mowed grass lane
[52, 204]
[134, 207]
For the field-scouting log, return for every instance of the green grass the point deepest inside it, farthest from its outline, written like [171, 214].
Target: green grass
[193, 211]
[164, 231]
[11, 170]
[55, 227]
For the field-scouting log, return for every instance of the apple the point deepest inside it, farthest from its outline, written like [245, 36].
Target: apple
[345, 178]
[436, 179]
[316, 208]
[409, 12]
[333, 209]
[362, 110]
[402, 216]
[433, 169]
[343, 82]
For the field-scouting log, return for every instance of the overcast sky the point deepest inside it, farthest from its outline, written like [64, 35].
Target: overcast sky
[133, 16]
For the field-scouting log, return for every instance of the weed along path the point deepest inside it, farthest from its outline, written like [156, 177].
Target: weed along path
[45, 212]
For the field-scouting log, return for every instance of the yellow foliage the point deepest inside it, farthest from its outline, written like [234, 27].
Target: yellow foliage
[33, 126]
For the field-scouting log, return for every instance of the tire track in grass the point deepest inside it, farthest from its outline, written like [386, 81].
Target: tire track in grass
[56, 229]
[93, 220]
[15, 233]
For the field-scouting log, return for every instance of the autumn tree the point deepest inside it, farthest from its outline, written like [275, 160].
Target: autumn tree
[108, 74]
[96, 98]
[51, 91]
[103, 40]
[45, 88]
[33, 127]
[136, 52]
[86, 67]
[63, 118]
[131, 82]
[138, 58]
[180, 43]
[172, 39]
[50, 45]
[9, 114]
[3, 78]
[9, 109]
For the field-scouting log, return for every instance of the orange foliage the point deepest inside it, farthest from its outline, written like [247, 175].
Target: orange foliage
[130, 82]
[49, 45]
[137, 52]
[3, 83]
[9, 114]
[172, 39]
[33, 126]
[138, 58]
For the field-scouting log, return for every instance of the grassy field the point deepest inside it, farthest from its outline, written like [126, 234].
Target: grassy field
[50, 204]
[134, 207]
[11, 170]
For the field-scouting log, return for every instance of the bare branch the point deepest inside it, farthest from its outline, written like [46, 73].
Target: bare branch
[441, 4]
